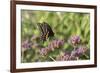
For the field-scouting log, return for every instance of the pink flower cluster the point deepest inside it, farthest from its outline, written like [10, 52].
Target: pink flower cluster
[53, 45]
[64, 57]
[79, 51]
[26, 45]
[74, 55]
[74, 40]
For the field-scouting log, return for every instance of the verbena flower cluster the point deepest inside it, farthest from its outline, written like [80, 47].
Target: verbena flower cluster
[73, 55]
[53, 45]
[77, 48]
[74, 40]
[26, 45]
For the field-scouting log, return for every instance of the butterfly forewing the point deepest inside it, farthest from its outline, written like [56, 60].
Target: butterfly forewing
[40, 28]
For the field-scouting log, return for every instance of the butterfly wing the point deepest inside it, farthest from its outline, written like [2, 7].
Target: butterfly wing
[46, 30]
[40, 28]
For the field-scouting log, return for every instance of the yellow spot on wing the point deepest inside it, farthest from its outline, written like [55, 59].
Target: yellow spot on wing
[47, 35]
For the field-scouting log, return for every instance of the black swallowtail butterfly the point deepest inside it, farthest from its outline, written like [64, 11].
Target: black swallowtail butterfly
[46, 31]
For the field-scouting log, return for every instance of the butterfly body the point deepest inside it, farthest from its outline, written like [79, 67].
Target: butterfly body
[46, 31]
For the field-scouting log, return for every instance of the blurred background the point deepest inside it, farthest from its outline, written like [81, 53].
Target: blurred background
[63, 24]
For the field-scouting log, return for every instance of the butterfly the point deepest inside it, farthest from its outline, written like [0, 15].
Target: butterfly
[46, 31]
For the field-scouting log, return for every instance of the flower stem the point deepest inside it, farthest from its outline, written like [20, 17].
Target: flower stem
[86, 56]
[52, 58]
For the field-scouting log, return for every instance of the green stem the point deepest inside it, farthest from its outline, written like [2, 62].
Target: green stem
[86, 56]
[52, 58]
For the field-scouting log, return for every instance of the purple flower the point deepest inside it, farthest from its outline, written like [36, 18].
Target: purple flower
[26, 44]
[64, 57]
[60, 42]
[79, 51]
[74, 40]
[73, 55]
[53, 44]
[56, 44]
[43, 51]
